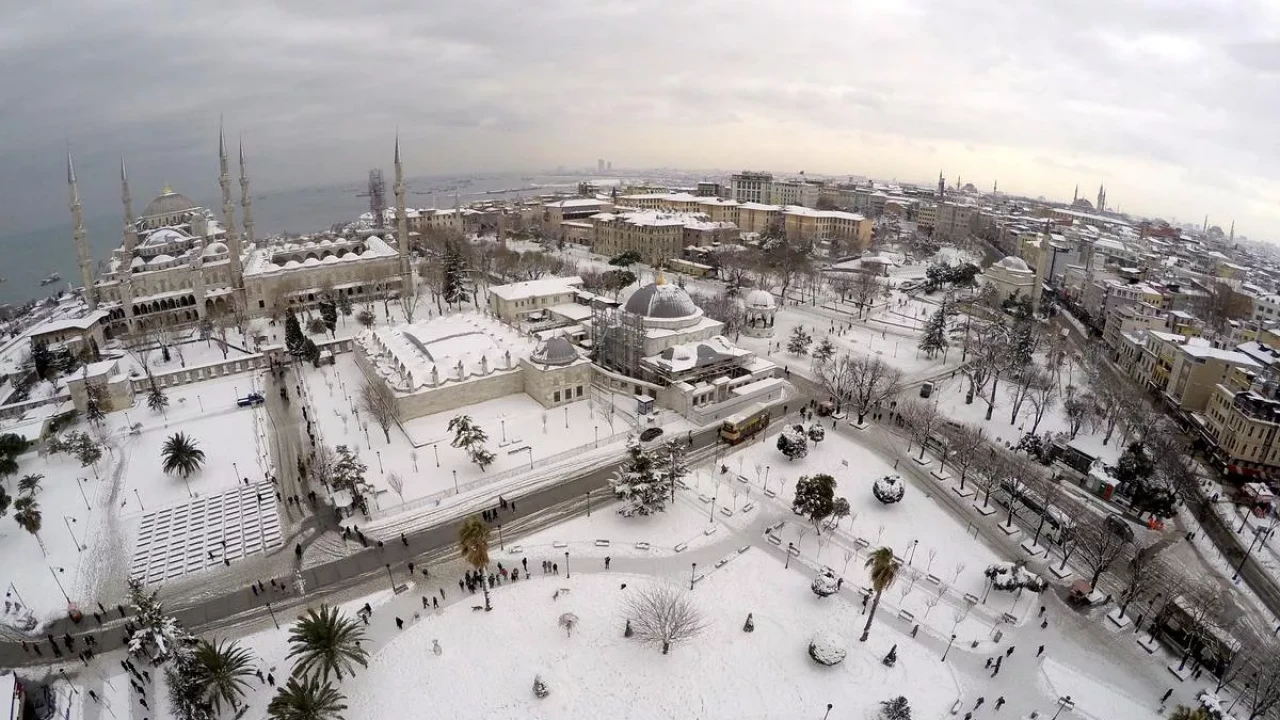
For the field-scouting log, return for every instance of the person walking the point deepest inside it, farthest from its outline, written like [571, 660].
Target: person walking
[441, 593]
[271, 680]
[424, 602]
[555, 568]
[399, 624]
[435, 603]
[1165, 697]
[1040, 651]
[460, 585]
[979, 703]
[1009, 652]
[999, 702]
[607, 560]
[524, 562]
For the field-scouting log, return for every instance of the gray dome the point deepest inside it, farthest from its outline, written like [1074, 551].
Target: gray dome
[660, 300]
[168, 203]
[555, 351]
[760, 300]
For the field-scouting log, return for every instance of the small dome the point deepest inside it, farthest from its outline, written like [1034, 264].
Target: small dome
[292, 264]
[326, 242]
[216, 248]
[311, 262]
[273, 266]
[555, 351]
[329, 259]
[660, 300]
[1014, 264]
[137, 262]
[160, 259]
[760, 300]
[168, 203]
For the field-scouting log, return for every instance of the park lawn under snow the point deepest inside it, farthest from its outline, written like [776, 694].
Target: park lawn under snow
[512, 423]
[489, 660]
[683, 523]
[106, 525]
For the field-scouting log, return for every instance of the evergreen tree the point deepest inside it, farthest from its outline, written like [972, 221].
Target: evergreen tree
[798, 343]
[934, 338]
[825, 350]
[42, 359]
[639, 484]
[329, 315]
[156, 399]
[468, 436]
[896, 709]
[815, 497]
[157, 636]
[672, 461]
[294, 340]
[316, 326]
[311, 352]
[540, 687]
[344, 305]
[348, 474]
[792, 442]
[455, 287]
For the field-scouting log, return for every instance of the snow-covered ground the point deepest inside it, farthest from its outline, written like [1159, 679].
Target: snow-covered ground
[100, 506]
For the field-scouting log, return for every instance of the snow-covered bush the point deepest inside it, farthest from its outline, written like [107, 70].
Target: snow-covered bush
[827, 649]
[816, 433]
[540, 689]
[896, 709]
[1212, 705]
[889, 489]
[639, 484]
[826, 583]
[793, 443]
[1010, 576]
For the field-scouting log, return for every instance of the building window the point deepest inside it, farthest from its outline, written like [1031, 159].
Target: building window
[262, 303]
[579, 394]
[556, 396]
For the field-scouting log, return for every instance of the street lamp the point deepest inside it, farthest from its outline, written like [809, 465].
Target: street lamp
[693, 575]
[500, 545]
[944, 652]
[59, 582]
[82, 495]
[1064, 702]
[391, 577]
[828, 713]
[273, 615]
[790, 547]
[914, 544]
[597, 436]
[135, 494]
[766, 478]
[67, 520]
[435, 447]
[379, 454]
[566, 564]
[455, 483]
[530, 450]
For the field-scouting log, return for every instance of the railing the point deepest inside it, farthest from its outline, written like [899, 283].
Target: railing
[223, 368]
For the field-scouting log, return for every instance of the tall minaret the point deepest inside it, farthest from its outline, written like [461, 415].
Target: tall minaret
[78, 235]
[229, 214]
[1075, 195]
[402, 223]
[246, 204]
[1232, 237]
[130, 229]
[942, 186]
[1102, 198]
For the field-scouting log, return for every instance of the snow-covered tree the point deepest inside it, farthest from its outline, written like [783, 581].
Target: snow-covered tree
[348, 474]
[934, 338]
[157, 636]
[826, 583]
[827, 649]
[663, 615]
[455, 286]
[540, 689]
[895, 709]
[798, 343]
[639, 483]
[889, 489]
[825, 350]
[672, 463]
[470, 437]
[816, 433]
[793, 443]
[862, 382]
[1010, 576]
[294, 340]
[815, 497]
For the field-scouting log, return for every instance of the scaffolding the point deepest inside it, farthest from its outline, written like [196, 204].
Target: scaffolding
[617, 339]
[377, 194]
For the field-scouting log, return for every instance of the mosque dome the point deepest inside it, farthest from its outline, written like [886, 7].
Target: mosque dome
[760, 300]
[160, 259]
[216, 248]
[662, 301]
[1014, 264]
[555, 351]
[169, 203]
[164, 236]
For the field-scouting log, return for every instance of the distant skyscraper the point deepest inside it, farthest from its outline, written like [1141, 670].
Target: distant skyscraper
[599, 165]
[609, 166]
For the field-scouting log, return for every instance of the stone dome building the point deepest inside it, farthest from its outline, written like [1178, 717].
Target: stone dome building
[759, 308]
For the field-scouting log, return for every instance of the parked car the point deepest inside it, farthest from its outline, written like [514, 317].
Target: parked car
[650, 434]
[251, 400]
[926, 389]
[1119, 526]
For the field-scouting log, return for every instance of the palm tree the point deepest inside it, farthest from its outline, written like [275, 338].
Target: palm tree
[324, 642]
[156, 399]
[473, 543]
[181, 455]
[26, 511]
[222, 671]
[1182, 712]
[30, 484]
[883, 569]
[306, 699]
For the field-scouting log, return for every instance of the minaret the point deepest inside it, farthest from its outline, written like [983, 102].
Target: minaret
[229, 216]
[1075, 195]
[246, 204]
[402, 223]
[1232, 237]
[78, 235]
[942, 186]
[1102, 198]
[130, 229]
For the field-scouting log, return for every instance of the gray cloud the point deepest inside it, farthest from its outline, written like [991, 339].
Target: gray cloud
[1161, 101]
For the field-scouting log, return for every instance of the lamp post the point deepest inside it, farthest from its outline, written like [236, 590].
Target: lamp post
[379, 454]
[236, 468]
[588, 494]
[949, 642]
[435, 447]
[82, 495]
[766, 478]
[455, 483]
[14, 590]
[67, 520]
[59, 582]
[273, 615]
[597, 436]
[828, 713]
[790, 547]
[500, 545]
[566, 564]
[914, 544]
[1064, 702]
[693, 575]
[391, 577]
[135, 494]
[530, 450]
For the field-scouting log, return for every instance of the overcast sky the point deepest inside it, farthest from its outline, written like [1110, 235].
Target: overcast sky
[1171, 103]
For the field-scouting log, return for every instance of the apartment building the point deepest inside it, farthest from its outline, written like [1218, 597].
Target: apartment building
[1197, 370]
[850, 230]
[926, 216]
[657, 236]
[759, 218]
[952, 222]
[516, 301]
[794, 192]
[1129, 319]
[1241, 427]
[751, 187]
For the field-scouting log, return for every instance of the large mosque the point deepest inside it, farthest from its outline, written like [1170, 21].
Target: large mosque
[179, 264]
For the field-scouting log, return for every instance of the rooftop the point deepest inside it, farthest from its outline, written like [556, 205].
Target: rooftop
[536, 288]
[81, 323]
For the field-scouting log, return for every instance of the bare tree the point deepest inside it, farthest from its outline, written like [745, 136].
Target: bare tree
[1018, 388]
[662, 615]
[1240, 654]
[1077, 408]
[1143, 568]
[1071, 516]
[862, 382]
[379, 402]
[931, 601]
[1203, 605]
[396, 483]
[864, 289]
[964, 442]
[1100, 546]
[411, 296]
[1109, 396]
[921, 418]
[323, 464]
[1042, 393]
[1264, 695]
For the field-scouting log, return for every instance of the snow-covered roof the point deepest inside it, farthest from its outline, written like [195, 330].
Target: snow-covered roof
[443, 350]
[760, 206]
[828, 214]
[576, 203]
[81, 323]
[692, 355]
[1231, 356]
[537, 288]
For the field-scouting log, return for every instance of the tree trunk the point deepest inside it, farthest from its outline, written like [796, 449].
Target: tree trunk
[386, 432]
[991, 405]
[666, 646]
[866, 629]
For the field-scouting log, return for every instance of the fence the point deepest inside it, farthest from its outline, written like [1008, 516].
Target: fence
[231, 366]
